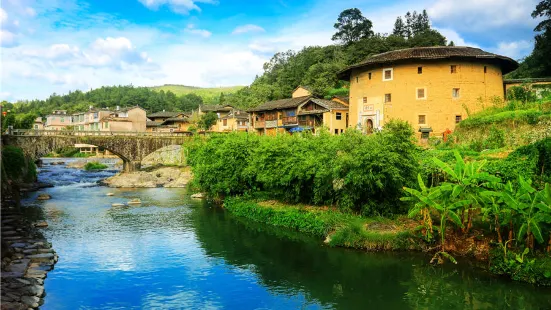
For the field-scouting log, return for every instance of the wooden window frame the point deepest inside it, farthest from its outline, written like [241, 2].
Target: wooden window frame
[458, 119]
[454, 93]
[338, 116]
[419, 119]
[453, 69]
[391, 74]
[419, 70]
[424, 93]
[389, 98]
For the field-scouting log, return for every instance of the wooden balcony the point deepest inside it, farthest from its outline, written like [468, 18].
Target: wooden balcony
[259, 124]
[289, 120]
[309, 123]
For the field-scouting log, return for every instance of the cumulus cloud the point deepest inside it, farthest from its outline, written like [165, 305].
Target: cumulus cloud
[3, 16]
[7, 39]
[30, 12]
[198, 32]
[177, 6]
[515, 50]
[482, 15]
[247, 28]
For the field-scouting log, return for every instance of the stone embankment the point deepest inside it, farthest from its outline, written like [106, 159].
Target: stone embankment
[160, 177]
[26, 259]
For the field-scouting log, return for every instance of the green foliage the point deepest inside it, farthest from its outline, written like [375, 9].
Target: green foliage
[313, 222]
[207, 120]
[530, 116]
[13, 161]
[352, 26]
[94, 165]
[352, 171]
[521, 93]
[207, 95]
[521, 266]
[496, 139]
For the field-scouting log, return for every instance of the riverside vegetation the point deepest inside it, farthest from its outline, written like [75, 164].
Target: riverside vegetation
[484, 196]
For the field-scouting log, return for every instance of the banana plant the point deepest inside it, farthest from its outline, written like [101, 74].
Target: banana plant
[423, 205]
[467, 180]
[532, 209]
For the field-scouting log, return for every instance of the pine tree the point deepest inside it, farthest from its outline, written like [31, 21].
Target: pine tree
[399, 28]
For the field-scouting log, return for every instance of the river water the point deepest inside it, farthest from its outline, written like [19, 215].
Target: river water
[172, 252]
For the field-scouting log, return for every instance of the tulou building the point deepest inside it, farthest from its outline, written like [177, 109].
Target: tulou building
[432, 88]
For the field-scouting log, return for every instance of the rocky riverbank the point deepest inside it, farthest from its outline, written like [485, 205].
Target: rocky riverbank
[158, 177]
[26, 259]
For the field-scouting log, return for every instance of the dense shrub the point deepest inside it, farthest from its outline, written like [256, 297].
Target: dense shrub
[496, 139]
[530, 116]
[91, 166]
[353, 171]
[521, 93]
[17, 167]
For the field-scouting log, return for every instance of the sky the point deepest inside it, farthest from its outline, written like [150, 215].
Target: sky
[55, 46]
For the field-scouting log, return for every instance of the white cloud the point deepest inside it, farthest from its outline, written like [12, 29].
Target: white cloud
[452, 35]
[30, 11]
[3, 16]
[515, 50]
[482, 15]
[177, 6]
[247, 28]
[199, 32]
[7, 39]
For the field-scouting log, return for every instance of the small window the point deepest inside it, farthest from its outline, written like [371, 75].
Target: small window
[336, 131]
[364, 99]
[457, 119]
[338, 116]
[455, 93]
[369, 75]
[453, 69]
[421, 93]
[342, 130]
[357, 79]
[388, 98]
[419, 70]
[485, 69]
[422, 119]
[387, 74]
[63, 119]
[225, 122]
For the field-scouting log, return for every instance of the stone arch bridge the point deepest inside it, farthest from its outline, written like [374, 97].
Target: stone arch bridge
[131, 147]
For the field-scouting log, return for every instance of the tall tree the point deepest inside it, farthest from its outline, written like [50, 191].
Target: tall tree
[352, 26]
[399, 28]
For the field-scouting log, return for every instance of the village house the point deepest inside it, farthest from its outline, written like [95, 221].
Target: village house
[300, 112]
[430, 87]
[229, 118]
[38, 124]
[58, 120]
[168, 122]
[124, 119]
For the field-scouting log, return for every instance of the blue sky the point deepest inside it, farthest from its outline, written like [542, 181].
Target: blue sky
[56, 46]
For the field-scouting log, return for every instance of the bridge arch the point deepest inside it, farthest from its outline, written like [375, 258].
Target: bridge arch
[130, 147]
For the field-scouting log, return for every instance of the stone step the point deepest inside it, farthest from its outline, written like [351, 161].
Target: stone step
[44, 257]
[19, 267]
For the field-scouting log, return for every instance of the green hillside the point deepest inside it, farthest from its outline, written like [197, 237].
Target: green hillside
[208, 94]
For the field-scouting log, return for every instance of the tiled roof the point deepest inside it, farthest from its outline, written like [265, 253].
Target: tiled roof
[281, 104]
[308, 112]
[342, 98]
[152, 124]
[176, 120]
[329, 104]
[431, 53]
[529, 80]
[165, 114]
[215, 108]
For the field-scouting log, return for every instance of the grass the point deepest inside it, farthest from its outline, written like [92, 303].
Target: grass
[208, 94]
[94, 165]
[338, 229]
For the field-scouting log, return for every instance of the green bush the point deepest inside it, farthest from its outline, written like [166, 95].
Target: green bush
[91, 166]
[496, 139]
[352, 171]
[16, 166]
[521, 93]
[530, 116]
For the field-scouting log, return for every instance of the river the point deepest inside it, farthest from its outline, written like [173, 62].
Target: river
[172, 252]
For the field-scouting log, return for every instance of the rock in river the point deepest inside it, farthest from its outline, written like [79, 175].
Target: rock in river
[198, 196]
[44, 197]
[135, 202]
[118, 205]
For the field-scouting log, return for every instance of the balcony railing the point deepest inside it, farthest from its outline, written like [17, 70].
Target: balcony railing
[271, 124]
[259, 124]
[289, 120]
[309, 122]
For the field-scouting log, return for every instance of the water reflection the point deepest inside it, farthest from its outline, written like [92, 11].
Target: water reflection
[172, 253]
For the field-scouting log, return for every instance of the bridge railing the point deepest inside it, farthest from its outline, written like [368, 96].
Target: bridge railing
[38, 132]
